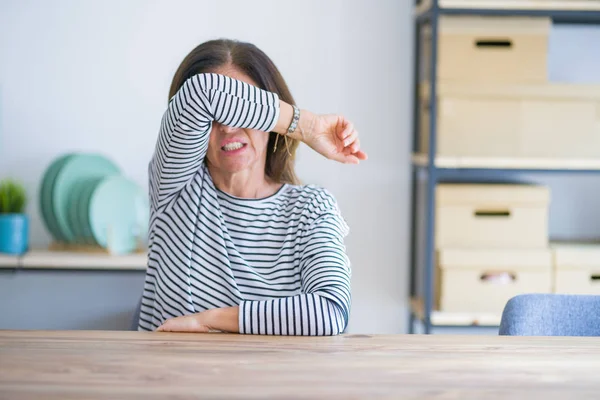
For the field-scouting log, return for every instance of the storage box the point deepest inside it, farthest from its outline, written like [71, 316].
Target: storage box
[576, 268]
[490, 49]
[483, 280]
[557, 121]
[491, 216]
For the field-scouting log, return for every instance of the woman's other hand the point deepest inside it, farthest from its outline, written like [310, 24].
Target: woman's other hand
[186, 323]
[332, 136]
[217, 319]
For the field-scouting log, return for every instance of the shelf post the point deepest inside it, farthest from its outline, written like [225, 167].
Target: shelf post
[431, 173]
[414, 171]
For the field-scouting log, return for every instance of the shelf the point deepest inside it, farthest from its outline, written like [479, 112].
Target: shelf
[510, 164]
[560, 11]
[450, 319]
[44, 259]
[472, 169]
[540, 5]
[7, 261]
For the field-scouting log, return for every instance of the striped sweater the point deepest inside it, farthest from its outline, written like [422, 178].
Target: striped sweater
[281, 259]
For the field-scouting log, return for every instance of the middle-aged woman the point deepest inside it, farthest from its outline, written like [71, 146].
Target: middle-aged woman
[235, 243]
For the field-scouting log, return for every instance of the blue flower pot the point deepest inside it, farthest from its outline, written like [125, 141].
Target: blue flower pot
[14, 233]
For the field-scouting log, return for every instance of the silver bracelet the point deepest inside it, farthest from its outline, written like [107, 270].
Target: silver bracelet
[295, 120]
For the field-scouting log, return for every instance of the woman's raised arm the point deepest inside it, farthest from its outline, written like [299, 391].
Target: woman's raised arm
[184, 132]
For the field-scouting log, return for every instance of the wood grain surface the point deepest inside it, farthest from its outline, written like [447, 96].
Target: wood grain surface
[128, 365]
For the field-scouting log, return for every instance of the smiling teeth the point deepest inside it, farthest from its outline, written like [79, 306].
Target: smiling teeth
[233, 146]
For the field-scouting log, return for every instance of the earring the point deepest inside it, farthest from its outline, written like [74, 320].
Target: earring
[287, 147]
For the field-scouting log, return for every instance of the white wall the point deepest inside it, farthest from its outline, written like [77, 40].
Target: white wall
[94, 76]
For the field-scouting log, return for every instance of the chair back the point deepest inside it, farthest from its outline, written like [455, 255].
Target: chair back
[551, 315]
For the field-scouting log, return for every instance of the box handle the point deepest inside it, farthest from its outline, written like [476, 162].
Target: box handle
[492, 213]
[595, 278]
[493, 43]
[498, 277]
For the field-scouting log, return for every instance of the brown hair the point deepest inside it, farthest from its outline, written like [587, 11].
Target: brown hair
[252, 61]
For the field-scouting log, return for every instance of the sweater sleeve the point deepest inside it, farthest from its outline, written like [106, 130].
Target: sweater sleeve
[185, 127]
[323, 307]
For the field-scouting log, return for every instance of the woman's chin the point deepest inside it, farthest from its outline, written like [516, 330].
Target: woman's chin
[232, 166]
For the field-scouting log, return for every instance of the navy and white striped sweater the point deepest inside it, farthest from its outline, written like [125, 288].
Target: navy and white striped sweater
[281, 259]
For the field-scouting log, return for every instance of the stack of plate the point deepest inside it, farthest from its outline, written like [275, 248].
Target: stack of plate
[85, 200]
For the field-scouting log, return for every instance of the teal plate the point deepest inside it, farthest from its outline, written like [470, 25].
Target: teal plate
[78, 168]
[84, 210]
[119, 213]
[79, 200]
[45, 196]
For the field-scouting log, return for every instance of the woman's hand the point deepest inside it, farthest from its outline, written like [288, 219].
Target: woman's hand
[217, 319]
[186, 323]
[332, 136]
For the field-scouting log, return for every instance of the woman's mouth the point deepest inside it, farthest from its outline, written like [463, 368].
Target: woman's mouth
[233, 146]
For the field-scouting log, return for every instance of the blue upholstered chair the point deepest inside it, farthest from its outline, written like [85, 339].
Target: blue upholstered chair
[551, 315]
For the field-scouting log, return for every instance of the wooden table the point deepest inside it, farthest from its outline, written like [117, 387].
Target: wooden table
[123, 365]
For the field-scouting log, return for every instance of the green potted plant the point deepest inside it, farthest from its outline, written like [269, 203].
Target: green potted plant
[14, 225]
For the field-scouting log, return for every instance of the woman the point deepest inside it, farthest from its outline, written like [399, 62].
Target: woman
[236, 244]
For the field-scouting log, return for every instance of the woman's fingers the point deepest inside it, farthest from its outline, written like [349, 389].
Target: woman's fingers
[361, 155]
[354, 149]
[165, 327]
[349, 150]
[344, 158]
[172, 325]
[186, 323]
[354, 146]
[351, 159]
[337, 140]
[347, 129]
[351, 138]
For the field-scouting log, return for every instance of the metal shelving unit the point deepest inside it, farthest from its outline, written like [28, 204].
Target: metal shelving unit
[429, 170]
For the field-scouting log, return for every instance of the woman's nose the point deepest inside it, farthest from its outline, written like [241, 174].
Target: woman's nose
[228, 129]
